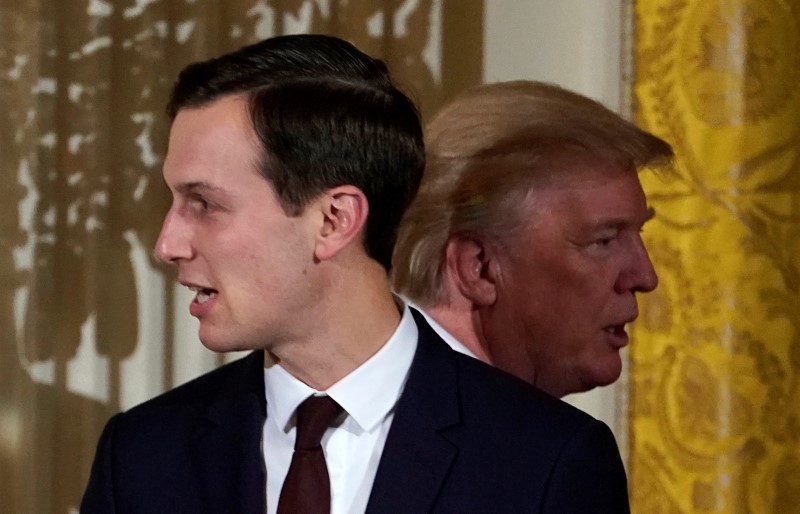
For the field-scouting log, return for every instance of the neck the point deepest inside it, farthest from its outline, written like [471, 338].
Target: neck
[460, 320]
[355, 317]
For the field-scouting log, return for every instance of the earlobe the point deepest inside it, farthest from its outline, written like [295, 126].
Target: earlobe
[344, 212]
[471, 266]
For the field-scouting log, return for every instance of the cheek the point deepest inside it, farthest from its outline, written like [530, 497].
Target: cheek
[541, 298]
[239, 259]
[556, 315]
[583, 285]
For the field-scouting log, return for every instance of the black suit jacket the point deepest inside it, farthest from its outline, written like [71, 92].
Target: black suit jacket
[466, 438]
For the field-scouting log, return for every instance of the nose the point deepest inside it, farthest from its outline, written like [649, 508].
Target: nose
[174, 241]
[640, 276]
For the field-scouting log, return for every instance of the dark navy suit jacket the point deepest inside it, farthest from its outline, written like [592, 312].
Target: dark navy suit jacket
[466, 438]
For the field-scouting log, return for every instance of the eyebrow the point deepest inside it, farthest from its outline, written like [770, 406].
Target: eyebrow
[187, 188]
[619, 223]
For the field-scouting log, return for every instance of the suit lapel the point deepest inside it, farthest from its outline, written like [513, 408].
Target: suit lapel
[227, 449]
[417, 455]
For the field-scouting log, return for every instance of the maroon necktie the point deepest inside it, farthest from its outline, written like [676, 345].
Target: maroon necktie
[307, 488]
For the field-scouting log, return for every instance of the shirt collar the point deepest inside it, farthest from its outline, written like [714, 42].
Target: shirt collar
[284, 393]
[448, 338]
[367, 394]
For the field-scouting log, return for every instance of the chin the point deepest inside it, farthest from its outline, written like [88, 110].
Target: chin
[605, 375]
[218, 343]
[226, 341]
[215, 346]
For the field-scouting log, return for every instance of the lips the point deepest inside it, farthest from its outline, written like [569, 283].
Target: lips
[617, 330]
[618, 337]
[202, 294]
[204, 299]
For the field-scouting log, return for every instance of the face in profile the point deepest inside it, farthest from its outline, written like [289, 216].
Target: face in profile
[567, 279]
[233, 244]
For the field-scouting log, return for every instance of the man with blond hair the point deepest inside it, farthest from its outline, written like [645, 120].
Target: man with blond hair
[523, 244]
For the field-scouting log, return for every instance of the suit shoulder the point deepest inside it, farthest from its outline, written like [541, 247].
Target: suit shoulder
[557, 437]
[229, 379]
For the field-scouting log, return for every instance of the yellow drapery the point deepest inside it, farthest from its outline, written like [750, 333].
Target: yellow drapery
[715, 384]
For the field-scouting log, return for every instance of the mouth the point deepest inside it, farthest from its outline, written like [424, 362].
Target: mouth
[203, 294]
[619, 335]
[204, 299]
[617, 330]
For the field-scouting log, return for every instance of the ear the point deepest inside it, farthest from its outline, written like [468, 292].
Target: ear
[473, 270]
[344, 212]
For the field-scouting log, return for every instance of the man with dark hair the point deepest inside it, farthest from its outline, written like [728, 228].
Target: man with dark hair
[291, 163]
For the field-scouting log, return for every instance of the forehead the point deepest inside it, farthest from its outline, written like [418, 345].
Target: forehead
[579, 169]
[582, 190]
[210, 141]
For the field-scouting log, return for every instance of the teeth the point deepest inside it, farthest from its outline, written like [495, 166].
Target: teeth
[203, 295]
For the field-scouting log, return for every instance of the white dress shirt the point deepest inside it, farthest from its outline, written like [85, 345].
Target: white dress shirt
[352, 448]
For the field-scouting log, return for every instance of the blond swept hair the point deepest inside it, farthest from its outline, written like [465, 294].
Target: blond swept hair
[483, 153]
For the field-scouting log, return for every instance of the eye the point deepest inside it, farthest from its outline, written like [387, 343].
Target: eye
[604, 238]
[199, 204]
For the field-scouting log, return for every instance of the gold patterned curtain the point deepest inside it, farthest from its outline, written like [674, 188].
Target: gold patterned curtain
[87, 315]
[715, 405]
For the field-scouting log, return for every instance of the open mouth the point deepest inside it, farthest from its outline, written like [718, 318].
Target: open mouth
[617, 330]
[203, 294]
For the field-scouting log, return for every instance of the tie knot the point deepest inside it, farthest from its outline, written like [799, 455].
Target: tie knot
[314, 416]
